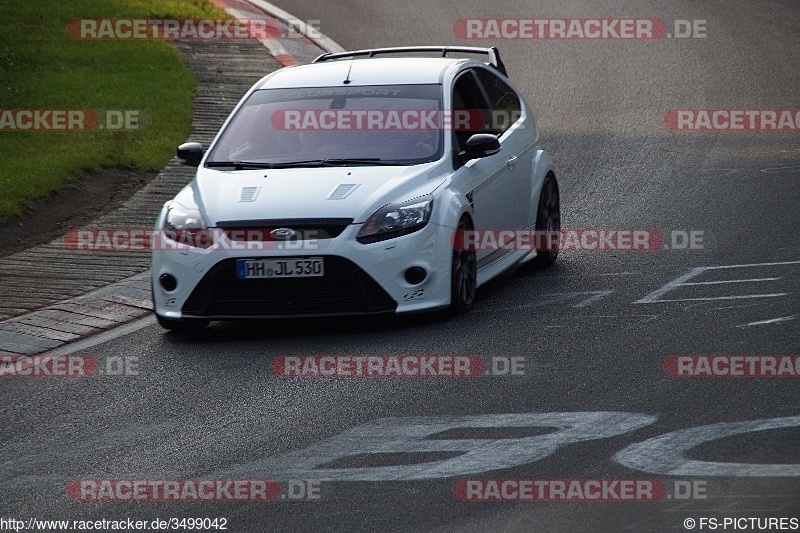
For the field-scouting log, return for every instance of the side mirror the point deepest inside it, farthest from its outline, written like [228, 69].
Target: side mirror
[480, 145]
[190, 154]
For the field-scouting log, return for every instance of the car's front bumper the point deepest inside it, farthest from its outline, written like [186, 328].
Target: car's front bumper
[359, 278]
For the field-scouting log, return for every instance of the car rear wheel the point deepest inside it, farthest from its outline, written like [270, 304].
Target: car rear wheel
[548, 222]
[464, 276]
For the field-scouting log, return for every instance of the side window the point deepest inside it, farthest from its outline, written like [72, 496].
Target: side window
[467, 95]
[503, 101]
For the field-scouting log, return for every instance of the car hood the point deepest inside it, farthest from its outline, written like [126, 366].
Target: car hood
[328, 192]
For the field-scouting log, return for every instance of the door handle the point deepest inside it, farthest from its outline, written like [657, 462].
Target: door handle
[512, 161]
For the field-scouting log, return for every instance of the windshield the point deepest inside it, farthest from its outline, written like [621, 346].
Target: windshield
[367, 125]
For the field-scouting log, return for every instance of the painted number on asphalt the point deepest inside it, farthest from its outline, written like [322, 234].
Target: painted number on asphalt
[665, 454]
[419, 436]
[467, 453]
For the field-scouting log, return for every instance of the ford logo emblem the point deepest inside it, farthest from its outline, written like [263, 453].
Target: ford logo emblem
[283, 234]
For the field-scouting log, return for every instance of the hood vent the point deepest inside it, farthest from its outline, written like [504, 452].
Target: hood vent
[248, 194]
[342, 191]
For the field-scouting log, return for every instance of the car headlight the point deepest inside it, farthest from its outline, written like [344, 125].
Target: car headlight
[394, 220]
[184, 223]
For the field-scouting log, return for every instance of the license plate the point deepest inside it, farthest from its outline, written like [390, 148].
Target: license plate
[292, 267]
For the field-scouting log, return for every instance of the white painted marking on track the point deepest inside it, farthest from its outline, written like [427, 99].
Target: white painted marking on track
[583, 275]
[665, 454]
[586, 298]
[682, 281]
[655, 296]
[596, 295]
[319, 38]
[721, 282]
[773, 320]
[274, 46]
[418, 435]
[791, 167]
[722, 171]
[111, 334]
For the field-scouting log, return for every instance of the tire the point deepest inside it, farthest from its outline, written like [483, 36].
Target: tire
[548, 218]
[463, 276]
[185, 325]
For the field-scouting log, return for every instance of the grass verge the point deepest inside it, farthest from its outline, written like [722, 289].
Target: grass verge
[42, 67]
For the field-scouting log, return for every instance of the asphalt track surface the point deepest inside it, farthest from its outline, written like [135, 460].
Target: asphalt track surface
[594, 331]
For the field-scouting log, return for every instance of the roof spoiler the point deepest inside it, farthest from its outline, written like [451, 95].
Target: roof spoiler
[493, 53]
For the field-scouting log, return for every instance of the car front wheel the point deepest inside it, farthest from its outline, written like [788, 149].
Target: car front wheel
[548, 223]
[464, 277]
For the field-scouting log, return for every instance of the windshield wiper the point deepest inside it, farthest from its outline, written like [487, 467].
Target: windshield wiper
[328, 162]
[238, 165]
[331, 162]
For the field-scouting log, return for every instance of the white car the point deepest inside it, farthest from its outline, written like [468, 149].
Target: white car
[338, 187]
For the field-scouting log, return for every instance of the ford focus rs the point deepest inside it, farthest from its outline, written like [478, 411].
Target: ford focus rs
[341, 187]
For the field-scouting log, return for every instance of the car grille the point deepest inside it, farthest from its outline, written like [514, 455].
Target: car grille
[344, 289]
[306, 228]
